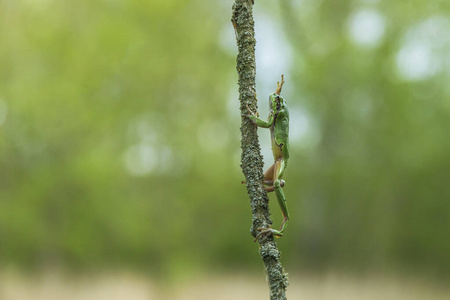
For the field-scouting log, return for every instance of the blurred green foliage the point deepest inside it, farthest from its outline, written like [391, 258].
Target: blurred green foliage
[119, 134]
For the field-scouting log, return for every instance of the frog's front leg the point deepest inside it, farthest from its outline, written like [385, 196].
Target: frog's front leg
[278, 170]
[255, 119]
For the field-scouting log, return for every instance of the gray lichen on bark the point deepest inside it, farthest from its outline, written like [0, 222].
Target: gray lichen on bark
[251, 159]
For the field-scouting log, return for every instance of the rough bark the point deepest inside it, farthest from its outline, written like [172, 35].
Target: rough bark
[251, 159]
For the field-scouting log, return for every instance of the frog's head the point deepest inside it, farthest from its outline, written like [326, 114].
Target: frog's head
[276, 101]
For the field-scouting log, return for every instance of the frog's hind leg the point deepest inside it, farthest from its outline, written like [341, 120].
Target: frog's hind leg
[269, 176]
[278, 171]
[268, 181]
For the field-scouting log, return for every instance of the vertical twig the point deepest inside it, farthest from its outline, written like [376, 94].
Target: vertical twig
[251, 160]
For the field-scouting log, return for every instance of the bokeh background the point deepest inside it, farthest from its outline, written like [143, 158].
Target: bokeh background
[120, 148]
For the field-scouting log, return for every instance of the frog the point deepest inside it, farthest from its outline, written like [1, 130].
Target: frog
[278, 124]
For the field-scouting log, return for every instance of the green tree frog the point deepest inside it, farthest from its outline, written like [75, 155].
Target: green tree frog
[278, 123]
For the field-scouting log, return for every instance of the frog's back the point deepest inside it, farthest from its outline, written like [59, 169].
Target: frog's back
[281, 132]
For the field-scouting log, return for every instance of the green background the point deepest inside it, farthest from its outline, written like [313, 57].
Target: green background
[120, 141]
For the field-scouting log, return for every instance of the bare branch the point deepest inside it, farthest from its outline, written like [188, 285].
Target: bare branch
[251, 159]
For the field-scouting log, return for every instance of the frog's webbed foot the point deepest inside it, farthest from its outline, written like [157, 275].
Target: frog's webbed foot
[280, 85]
[251, 113]
[266, 232]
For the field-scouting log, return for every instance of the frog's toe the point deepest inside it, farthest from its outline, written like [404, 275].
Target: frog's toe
[266, 232]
